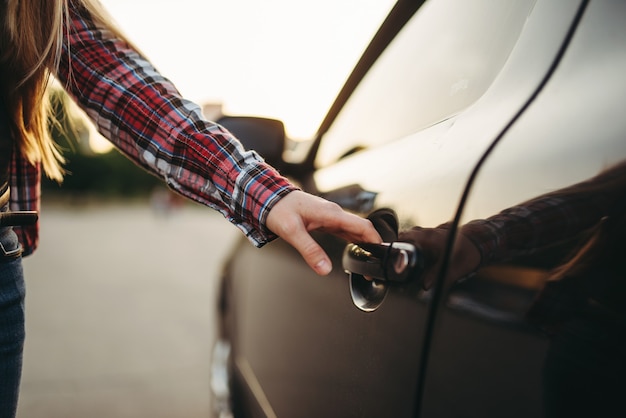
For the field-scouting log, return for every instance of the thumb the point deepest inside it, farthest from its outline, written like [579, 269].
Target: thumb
[298, 237]
[312, 253]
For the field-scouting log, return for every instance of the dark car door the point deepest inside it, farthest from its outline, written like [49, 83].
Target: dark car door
[485, 356]
[407, 138]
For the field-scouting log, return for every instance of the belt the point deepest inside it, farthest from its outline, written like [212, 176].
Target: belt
[14, 218]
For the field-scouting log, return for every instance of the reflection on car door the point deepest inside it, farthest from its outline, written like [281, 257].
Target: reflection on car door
[484, 353]
[407, 139]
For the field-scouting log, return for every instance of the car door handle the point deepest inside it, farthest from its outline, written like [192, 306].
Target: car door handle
[392, 262]
[373, 268]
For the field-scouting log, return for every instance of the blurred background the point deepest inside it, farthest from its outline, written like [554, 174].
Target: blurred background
[120, 293]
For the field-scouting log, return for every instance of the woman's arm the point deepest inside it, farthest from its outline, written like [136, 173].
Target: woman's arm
[143, 114]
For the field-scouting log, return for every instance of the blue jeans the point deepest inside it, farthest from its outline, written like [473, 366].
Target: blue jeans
[12, 293]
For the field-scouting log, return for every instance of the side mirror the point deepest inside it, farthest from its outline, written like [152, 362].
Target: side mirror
[265, 136]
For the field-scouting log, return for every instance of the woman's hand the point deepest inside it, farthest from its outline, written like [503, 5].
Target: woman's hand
[432, 242]
[298, 213]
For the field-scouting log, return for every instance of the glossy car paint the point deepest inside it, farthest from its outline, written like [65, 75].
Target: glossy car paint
[300, 348]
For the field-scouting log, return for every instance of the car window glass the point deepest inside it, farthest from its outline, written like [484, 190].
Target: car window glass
[440, 63]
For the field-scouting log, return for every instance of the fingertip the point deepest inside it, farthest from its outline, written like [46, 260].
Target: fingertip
[323, 267]
[372, 233]
[374, 237]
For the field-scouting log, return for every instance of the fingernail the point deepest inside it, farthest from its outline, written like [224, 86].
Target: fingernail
[323, 267]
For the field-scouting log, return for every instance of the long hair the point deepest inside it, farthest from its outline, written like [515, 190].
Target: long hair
[31, 41]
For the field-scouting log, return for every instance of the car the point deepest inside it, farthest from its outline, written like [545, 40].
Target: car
[456, 111]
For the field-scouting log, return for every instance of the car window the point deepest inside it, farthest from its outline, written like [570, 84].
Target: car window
[440, 63]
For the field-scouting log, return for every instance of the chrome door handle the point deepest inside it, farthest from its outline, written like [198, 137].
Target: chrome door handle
[393, 262]
[373, 268]
[384, 265]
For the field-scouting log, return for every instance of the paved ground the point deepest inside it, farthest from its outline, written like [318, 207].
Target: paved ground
[120, 312]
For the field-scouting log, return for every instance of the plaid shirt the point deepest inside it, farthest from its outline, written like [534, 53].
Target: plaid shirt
[145, 117]
[549, 219]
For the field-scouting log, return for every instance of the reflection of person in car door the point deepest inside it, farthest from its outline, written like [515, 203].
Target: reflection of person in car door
[143, 114]
[583, 304]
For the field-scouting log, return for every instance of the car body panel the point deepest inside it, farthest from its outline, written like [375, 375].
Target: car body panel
[270, 339]
[484, 355]
[299, 345]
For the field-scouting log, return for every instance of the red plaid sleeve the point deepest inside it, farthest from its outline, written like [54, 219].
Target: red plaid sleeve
[548, 219]
[145, 117]
[25, 185]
